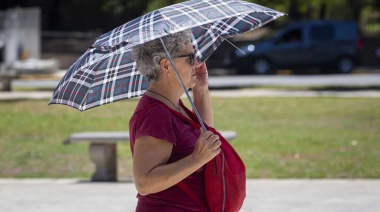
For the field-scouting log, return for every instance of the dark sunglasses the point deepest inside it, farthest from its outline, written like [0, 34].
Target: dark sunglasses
[192, 57]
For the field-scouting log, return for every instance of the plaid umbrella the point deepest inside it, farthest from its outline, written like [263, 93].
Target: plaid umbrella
[106, 72]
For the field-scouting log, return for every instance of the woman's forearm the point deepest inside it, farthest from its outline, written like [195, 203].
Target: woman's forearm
[165, 176]
[203, 104]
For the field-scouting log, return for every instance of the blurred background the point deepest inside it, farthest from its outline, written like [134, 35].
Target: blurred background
[302, 94]
[333, 44]
[317, 36]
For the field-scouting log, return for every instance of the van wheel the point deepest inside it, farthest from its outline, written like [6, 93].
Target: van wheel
[345, 65]
[261, 66]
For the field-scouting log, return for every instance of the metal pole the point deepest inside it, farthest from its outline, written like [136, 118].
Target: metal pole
[180, 80]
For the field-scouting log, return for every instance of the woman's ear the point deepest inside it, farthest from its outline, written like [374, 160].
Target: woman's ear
[164, 65]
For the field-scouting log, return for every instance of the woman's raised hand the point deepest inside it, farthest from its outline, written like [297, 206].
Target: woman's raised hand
[202, 76]
[207, 147]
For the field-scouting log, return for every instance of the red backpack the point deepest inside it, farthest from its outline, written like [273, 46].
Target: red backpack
[225, 179]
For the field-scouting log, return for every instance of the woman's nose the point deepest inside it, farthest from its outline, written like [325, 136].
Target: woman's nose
[197, 64]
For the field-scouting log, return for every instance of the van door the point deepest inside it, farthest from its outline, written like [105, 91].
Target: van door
[287, 48]
[320, 50]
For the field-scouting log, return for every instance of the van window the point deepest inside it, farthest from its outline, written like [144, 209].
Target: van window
[292, 36]
[346, 31]
[322, 33]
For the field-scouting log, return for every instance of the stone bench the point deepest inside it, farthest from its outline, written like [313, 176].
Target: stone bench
[102, 151]
[6, 81]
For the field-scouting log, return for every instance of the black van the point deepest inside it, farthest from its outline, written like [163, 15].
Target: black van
[330, 46]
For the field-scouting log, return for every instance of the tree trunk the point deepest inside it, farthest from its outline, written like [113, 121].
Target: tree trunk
[294, 13]
[356, 9]
[322, 11]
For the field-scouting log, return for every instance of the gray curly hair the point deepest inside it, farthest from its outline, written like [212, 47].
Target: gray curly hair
[148, 55]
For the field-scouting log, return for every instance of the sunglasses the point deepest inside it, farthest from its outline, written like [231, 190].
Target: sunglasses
[191, 56]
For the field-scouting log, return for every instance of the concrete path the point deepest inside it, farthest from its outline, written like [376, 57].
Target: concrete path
[295, 80]
[62, 195]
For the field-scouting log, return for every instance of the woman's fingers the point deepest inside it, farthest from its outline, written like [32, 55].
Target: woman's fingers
[213, 138]
[207, 146]
[210, 137]
[201, 69]
[217, 144]
[216, 151]
[207, 135]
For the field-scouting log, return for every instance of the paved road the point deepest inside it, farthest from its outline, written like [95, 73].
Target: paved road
[244, 81]
[62, 195]
[313, 80]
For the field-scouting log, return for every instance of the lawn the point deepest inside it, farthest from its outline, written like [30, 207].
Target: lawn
[277, 137]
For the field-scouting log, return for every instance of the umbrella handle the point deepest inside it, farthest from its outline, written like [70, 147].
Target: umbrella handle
[184, 88]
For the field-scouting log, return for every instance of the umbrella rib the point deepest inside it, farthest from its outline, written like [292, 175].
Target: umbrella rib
[233, 45]
[224, 39]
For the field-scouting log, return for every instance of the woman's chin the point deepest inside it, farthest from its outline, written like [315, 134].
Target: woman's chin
[192, 84]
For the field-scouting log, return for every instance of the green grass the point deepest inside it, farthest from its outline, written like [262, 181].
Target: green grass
[277, 137]
[372, 28]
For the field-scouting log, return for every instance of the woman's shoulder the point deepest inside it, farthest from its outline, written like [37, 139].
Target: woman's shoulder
[152, 108]
[148, 103]
[154, 120]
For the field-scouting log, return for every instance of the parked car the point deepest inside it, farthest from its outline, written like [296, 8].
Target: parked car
[2, 49]
[330, 46]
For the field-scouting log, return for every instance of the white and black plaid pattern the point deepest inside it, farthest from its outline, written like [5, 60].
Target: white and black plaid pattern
[106, 73]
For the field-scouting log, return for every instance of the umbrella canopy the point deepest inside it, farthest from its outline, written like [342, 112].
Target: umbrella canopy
[107, 73]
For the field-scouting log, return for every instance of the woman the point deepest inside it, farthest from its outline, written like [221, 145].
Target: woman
[165, 148]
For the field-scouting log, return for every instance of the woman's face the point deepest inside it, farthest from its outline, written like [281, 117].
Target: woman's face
[185, 69]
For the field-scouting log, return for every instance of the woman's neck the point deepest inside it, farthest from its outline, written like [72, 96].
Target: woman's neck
[169, 96]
